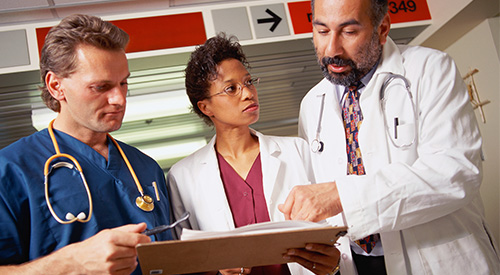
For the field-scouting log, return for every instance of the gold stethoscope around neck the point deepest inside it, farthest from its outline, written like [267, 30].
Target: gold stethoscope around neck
[143, 201]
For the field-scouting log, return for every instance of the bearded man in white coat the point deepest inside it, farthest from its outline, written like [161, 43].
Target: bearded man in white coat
[419, 149]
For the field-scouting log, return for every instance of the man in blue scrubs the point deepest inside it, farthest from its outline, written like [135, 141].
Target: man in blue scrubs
[84, 69]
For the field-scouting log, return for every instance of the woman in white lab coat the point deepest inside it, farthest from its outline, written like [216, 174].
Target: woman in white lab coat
[240, 176]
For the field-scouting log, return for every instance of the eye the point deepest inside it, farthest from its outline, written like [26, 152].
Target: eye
[322, 31]
[100, 88]
[230, 90]
[252, 81]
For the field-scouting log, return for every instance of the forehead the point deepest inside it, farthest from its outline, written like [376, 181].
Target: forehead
[339, 11]
[100, 63]
[230, 69]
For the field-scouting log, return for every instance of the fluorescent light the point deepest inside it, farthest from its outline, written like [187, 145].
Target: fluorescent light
[151, 106]
[146, 133]
[170, 150]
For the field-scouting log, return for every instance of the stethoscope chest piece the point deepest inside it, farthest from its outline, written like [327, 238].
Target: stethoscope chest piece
[145, 203]
[317, 146]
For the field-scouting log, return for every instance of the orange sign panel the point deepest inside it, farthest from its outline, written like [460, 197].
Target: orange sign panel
[156, 33]
[399, 10]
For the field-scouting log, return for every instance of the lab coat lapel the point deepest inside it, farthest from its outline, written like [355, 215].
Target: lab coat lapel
[269, 152]
[213, 187]
[372, 134]
[373, 139]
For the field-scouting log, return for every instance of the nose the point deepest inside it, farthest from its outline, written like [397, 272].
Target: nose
[334, 46]
[118, 96]
[247, 92]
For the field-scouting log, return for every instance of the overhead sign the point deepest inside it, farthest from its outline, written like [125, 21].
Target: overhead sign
[233, 21]
[155, 33]
[400, 11]
[301, 16]
[408, 11]
[269, 20]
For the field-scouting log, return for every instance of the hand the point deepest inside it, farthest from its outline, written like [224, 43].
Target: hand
[111, 251]
[246, 270]
[318, 258]
[314, 202]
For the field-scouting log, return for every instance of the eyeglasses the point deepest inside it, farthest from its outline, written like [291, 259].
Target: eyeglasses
[233, 90]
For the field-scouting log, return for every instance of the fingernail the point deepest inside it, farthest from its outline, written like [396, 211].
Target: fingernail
[309, 246]
[291, 252]
[286, 257]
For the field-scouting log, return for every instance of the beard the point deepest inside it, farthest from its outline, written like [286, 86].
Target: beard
[368, 55]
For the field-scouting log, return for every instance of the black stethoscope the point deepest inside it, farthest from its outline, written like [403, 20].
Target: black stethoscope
[317, 146]
[143, 201]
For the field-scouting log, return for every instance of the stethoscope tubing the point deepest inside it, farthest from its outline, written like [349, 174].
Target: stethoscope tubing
[317, 145]
[144, 202]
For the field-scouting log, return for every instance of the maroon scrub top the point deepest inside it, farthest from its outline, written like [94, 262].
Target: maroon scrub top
[248, 203]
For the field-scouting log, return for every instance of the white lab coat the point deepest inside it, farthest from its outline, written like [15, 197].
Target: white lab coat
[196, 179]
[423, 200]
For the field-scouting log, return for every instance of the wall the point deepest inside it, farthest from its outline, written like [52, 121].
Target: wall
[479, 49]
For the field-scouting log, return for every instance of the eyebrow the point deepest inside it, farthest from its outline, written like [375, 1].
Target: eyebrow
[232, 80]
[344, 24]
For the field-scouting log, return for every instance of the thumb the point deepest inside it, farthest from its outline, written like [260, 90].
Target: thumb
[132, 228]
[281, 208]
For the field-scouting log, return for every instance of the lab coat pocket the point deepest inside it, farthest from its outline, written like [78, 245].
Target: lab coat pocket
[461, 256]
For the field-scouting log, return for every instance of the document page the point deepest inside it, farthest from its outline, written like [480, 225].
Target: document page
[257, 228]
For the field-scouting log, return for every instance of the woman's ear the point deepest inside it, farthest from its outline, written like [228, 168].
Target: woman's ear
[204, 108]
[54, 85]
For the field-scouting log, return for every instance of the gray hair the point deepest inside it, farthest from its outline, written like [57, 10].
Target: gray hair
[379, 9]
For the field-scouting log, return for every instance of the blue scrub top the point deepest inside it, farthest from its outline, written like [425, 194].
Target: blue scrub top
[28, 230]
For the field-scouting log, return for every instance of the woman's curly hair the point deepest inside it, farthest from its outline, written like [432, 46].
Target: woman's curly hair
[201, 69]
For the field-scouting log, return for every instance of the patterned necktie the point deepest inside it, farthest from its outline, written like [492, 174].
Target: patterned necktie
[353, 117]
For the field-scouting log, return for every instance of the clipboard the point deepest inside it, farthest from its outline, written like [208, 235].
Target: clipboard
[211, 254]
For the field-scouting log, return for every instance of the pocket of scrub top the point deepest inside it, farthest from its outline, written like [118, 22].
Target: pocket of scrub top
[461, 256]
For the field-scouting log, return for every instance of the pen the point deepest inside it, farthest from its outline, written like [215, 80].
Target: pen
[396, 123]
[156, 191]
[161, 228]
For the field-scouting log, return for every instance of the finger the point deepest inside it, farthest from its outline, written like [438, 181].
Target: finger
[329, 260]
[316, 268]
[132, 228]
[325, 249]
[287, 207]
[231, 271]
[129, 235]
[290, 204]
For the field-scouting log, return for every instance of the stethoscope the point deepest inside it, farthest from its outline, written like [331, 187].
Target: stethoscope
[383, 100]
[143, 201]
[318, 146]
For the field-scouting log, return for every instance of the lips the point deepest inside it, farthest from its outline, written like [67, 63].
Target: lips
[251, 108]
[338, 69]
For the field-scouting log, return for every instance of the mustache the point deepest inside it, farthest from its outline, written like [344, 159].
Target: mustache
[327, 60]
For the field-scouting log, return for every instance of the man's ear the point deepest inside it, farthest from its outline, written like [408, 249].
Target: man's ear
[384, 28]
[204, 108]
[54, 85]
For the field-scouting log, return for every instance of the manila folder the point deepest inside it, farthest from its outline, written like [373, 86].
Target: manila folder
[230, 249]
